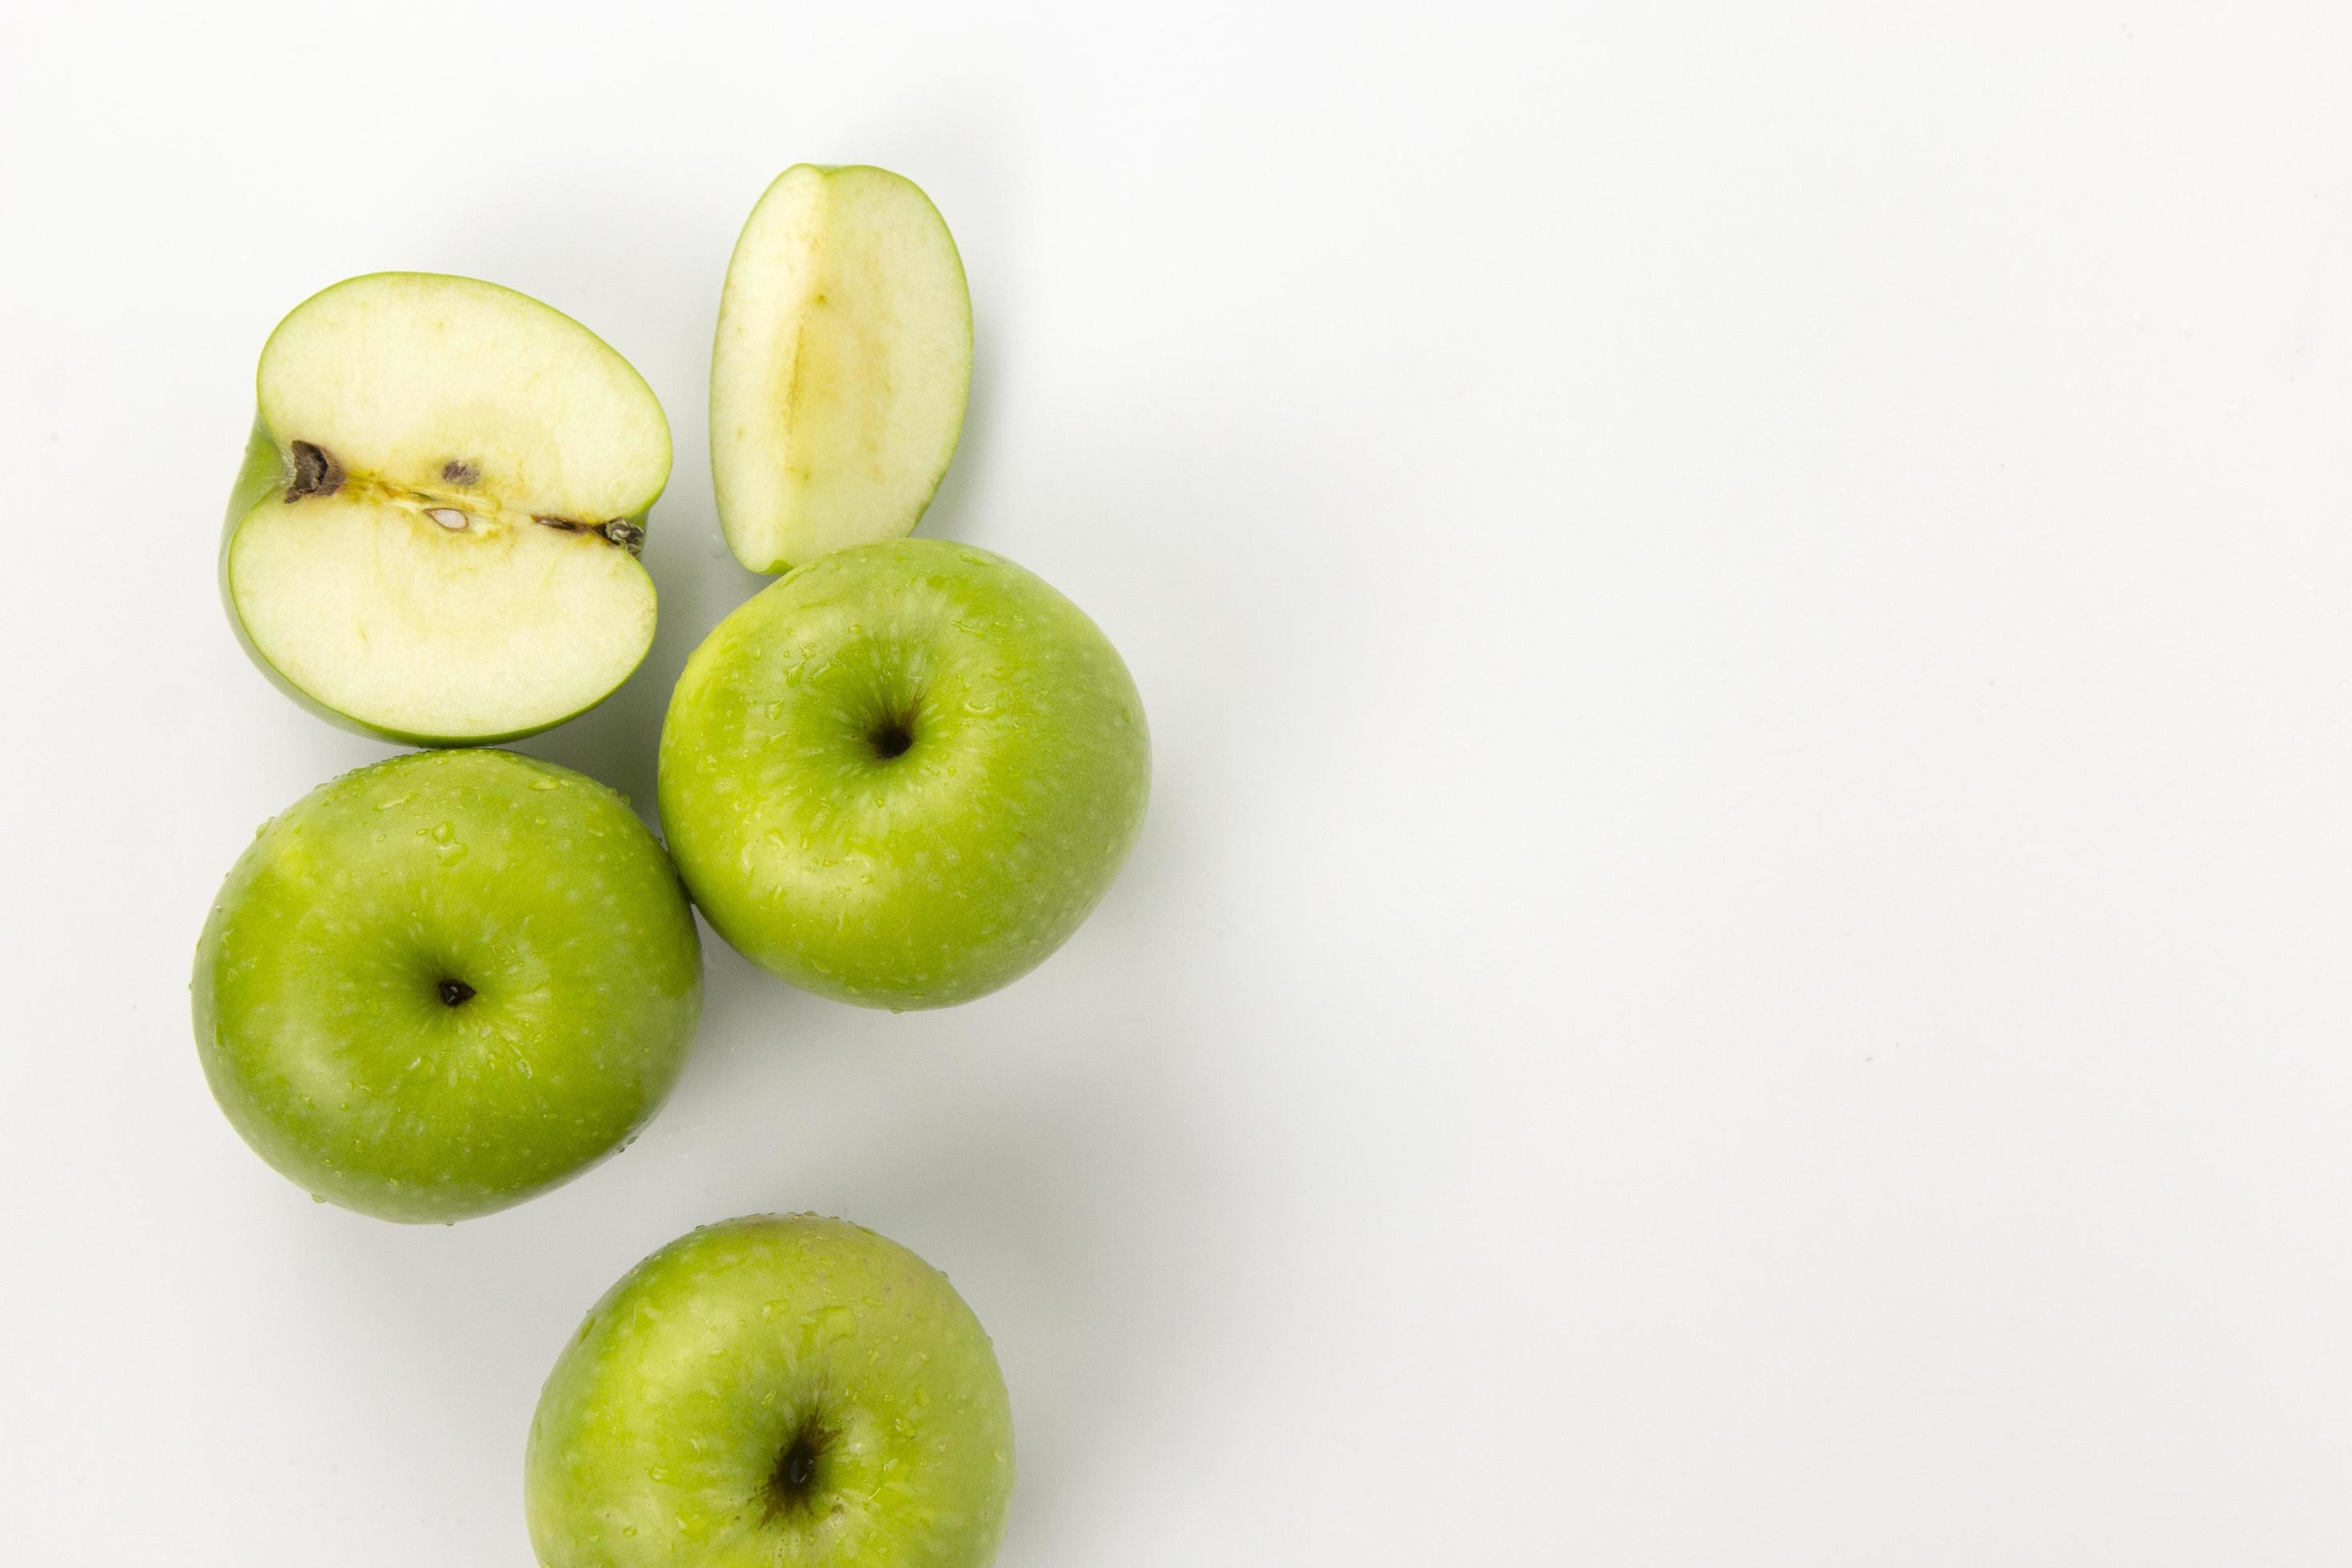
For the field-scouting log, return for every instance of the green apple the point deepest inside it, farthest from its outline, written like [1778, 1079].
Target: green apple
[435, 533]
[902, 774]
[779, 1392]
[445, 983]
[843, 357]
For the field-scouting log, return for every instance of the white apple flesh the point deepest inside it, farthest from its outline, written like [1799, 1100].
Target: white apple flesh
[435, 536]
[841, 368]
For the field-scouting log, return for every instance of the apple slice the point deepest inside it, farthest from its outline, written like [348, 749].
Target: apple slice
[435, 536]
[843, 357]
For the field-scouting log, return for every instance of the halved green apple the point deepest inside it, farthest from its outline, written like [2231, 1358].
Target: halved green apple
[435, 536]
[844, 358]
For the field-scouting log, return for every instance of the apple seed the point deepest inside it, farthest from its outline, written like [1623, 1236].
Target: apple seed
[447, 517]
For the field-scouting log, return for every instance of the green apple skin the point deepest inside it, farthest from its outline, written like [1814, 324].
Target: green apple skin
[782, 1390]
[327, 990]
[902, 774]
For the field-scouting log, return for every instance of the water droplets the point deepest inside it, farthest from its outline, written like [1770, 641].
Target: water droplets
[446, 848]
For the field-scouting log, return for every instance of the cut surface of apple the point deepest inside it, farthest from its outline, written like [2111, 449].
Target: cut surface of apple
[842, 366]
[435, 536]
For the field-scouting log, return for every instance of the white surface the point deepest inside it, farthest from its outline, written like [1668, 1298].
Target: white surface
[1741, 953]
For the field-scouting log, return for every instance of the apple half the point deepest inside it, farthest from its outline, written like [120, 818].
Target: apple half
[841, 369]
[436, 535]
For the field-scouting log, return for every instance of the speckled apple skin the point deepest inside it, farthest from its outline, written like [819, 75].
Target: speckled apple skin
[319, 1016]
[662, 1426]
[936, 875]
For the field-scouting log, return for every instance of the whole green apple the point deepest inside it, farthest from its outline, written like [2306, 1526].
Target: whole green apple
[441, 984]
[902, 774]
[773, 1391]
[435, 535]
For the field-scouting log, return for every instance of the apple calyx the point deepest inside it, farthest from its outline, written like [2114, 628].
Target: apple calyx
[316, 473]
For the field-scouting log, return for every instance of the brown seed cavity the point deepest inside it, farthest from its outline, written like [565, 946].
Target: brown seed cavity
[627, 535]
[315, 473]
[454, 472]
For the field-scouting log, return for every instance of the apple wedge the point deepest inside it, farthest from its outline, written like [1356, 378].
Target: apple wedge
[841, 365]
[435, 533]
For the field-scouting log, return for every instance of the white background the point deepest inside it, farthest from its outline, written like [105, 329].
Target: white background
[1740, 955]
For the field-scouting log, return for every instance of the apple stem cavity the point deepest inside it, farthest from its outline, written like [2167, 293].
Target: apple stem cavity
[791, 1486]
[892, 736]
[315, 473]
